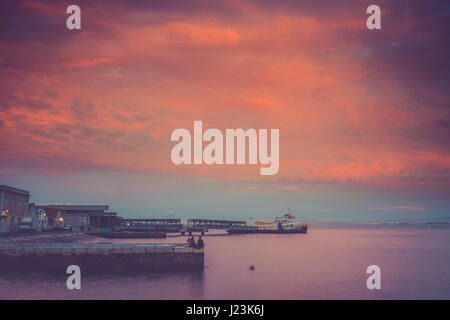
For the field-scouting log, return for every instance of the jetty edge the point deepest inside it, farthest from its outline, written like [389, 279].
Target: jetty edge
[94, 258]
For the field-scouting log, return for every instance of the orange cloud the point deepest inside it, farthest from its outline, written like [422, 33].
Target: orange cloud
[109, 97]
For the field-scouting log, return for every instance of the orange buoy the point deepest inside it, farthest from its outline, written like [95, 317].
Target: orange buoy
[252, 267]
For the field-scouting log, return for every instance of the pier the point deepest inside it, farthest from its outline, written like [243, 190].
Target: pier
[94, 258]
[203, 225]
[164, 225]
[175, 225]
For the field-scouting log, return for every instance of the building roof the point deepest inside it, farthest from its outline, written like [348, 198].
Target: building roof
[112, 214]
[73, 207]
[15, 190]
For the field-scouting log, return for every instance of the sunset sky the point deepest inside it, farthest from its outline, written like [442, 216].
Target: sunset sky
[364, 116]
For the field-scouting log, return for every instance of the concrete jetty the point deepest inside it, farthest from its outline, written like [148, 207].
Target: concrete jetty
[99, 257]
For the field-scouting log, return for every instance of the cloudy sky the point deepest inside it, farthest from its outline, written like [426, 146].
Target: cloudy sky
[364, 116]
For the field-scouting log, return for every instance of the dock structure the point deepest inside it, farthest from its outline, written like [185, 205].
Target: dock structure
[214, 224]
[164, 225]
[203, 225]
[94, 258]
[175, 225]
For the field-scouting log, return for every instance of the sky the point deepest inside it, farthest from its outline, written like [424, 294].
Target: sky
[364, 115]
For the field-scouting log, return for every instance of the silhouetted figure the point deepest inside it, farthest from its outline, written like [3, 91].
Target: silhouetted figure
[200, 243]
[191, 242]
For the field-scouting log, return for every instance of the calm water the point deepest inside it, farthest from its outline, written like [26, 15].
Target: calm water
[326, 263]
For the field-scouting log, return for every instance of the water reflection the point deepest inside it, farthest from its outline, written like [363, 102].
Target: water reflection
[326, 263]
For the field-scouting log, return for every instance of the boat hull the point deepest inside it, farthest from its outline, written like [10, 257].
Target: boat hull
[252, 231]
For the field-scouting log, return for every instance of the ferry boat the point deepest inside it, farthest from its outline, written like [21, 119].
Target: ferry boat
[285, 224]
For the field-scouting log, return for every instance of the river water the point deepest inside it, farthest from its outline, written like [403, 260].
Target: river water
[326, 263]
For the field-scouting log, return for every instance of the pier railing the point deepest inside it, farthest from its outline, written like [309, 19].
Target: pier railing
[213, 224]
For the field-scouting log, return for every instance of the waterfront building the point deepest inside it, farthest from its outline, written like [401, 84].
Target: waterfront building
[13, 207]
[79, 217]
[38, 222]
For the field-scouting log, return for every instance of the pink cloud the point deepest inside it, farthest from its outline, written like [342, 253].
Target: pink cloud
[107, 98]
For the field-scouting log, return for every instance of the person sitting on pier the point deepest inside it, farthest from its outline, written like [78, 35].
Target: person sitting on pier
[191, 242]
[200, 243]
